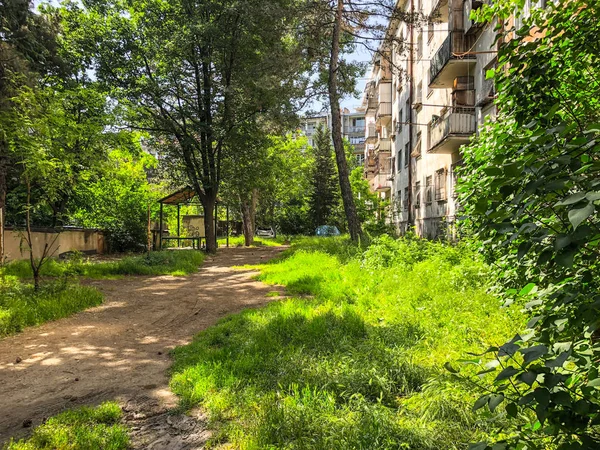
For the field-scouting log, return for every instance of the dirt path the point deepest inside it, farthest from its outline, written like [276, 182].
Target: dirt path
[120, 350]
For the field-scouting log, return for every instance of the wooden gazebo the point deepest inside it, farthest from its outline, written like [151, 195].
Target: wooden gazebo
[184, 196]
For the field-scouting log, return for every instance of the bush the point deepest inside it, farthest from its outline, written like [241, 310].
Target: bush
[358, 364]
[82, 429]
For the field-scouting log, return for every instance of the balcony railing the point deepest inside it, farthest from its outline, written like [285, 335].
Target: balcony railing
[356, 130]
[456, 43]
[371, 133]
[383, 109]
[380, 182]
[460, 124]
[372, 103]
[384, 145]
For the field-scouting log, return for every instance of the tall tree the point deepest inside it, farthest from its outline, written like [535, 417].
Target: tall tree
[325, 189]
[192, 71]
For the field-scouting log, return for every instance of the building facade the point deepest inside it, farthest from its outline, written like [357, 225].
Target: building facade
[422, 105]
[353, 129]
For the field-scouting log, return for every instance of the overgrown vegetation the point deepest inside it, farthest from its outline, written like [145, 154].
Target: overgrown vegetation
[82, 429]
[238, 241]
[355, 359]
[530, 189]
[21, 306]
[167, 262]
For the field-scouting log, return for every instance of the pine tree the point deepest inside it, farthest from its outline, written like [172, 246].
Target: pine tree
[325, 190]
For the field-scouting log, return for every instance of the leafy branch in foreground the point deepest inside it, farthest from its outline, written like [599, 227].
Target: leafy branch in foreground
[530, 189]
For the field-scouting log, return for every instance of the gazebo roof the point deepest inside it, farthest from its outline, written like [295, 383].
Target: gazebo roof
[181, 196]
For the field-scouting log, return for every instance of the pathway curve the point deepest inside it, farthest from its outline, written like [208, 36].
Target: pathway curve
[120, 350]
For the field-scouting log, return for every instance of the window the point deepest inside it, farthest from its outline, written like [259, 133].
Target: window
[440, 185]
[400, 120]
[399, 163]
[360, 159]
[420, 44]
[406, 154]
[405, 202]
[417, 149]
[418, 194]
[429, 31]
[428, 190]
[419, 95]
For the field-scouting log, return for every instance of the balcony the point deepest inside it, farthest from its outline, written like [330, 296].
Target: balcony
[451, 131]
[384, 110]
[448, 62]
[381, 182]
[358, 148]
[383, 145]
[356, 130]
[371, 134]
[468, 25]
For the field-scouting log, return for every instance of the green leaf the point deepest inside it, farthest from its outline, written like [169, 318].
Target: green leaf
[532, 353]
[593, 196]
[594, 383]
[495, 400]
[512, 409]
[507, 373]
[571, 199]
[478, 446]
[576, 216]
[449, 368]
[527, 289]
[481, 402]
[561, 398]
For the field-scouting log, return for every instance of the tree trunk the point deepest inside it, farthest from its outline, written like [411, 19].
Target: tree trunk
[354, 227]
[208, 202]
[3, 189]
[248, 210]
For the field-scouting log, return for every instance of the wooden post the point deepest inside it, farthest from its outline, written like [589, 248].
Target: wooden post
[216, 224]
[160, 228]
[227, 226]
[178, 233]
[149, 231]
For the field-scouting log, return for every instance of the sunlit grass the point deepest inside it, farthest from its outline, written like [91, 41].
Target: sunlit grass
[238, 241]
[79, 429]
[357, 364]
[21, 306]
[166, 262]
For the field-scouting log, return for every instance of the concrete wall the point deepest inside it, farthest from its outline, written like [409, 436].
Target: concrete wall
[79, 239]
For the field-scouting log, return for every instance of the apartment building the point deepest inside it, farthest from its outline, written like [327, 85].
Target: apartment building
[353, 129]
[422, 105]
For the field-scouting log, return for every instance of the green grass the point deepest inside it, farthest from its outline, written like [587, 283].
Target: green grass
[167, 262]
[21, 306]
[238, 241]
[361, 363]
[79, 429]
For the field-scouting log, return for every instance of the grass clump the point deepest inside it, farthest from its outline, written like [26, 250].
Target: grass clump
[79, 429]
[359, 363]
[22, 306]
[166, 262]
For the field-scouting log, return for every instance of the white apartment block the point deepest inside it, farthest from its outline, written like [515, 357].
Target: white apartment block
[353, 129]
[422, 106]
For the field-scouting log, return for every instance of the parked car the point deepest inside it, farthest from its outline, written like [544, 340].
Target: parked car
[327, 230]
[265, 232]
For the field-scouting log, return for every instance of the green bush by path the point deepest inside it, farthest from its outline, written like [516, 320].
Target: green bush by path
[79, 429]
[21, 306]
[166, 262]
[360, 364]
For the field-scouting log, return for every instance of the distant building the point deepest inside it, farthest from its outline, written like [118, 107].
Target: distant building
[353, 129]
